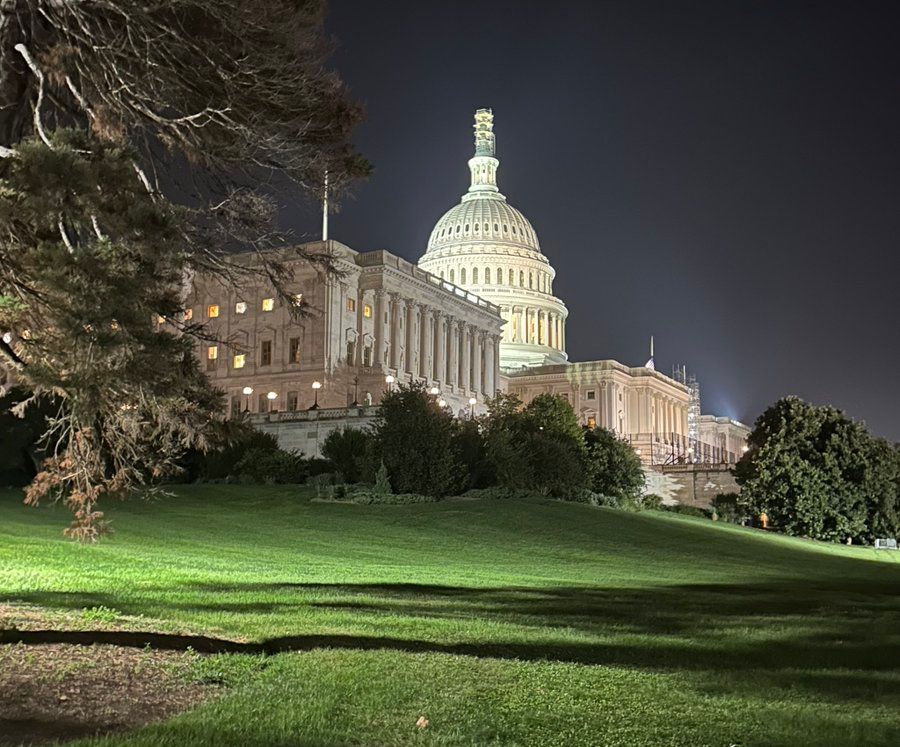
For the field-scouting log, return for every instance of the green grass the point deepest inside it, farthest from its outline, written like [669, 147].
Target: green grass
[532, 623]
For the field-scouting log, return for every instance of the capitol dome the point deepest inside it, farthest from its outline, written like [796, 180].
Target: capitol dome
[487, 247]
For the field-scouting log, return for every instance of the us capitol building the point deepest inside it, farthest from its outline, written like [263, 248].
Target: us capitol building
[477, 315]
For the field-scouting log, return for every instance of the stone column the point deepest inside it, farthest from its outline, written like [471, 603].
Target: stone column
[478, 361]
[410, 338]
[426, 356]
[379, 328]
[520, 336]
[452, 351]
[440, 341]
[396, 342]
[489, 385]
[360, 331]
[496, 371]
[465, 356]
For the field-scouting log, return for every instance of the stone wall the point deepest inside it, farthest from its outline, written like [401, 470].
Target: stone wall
[305, 431]
[691, 484]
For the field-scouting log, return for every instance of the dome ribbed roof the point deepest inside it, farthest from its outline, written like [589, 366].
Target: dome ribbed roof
[484, 217]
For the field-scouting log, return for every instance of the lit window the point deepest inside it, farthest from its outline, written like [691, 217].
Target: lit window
[160, 320]
[367, 311]
[212, 352]
[240, 307]
[188, 314]
[239, 361]
[592, 422]
[268, 304]
[212, 311]
[351, 304]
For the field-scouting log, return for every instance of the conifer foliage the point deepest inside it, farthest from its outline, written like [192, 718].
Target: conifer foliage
[105, 107]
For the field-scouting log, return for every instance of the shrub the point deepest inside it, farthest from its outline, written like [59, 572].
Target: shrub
[728, 507]
[615, 468]
[347, 451]
[651, 502]
[369, 496]
[382, 483]
[267, 466]
[685, 510]
[500, 492]
[414, 439]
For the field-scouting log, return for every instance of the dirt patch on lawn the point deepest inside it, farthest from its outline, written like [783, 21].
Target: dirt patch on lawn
[62, 691]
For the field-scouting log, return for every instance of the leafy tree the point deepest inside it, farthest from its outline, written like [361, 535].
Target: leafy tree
[615, 468]
[809, 469]
[415, 440]
[470, 444]
[103, 108]
[883, 487]
[347, 450]
[539, 447]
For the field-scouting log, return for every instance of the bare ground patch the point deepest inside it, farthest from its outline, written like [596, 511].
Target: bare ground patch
[62, 691]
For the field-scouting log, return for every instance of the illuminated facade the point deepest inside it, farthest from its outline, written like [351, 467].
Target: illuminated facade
[476, 316]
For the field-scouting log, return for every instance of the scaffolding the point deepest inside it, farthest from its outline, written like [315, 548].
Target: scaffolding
[693, 415]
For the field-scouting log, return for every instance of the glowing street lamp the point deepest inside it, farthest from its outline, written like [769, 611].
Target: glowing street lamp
[271, 396]
[316, 385]
[389, 380]
[248, 390]
[472, 402]
[434, 391]
[442, 402]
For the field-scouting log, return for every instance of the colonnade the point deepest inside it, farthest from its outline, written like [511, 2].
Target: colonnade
[425, 342]
[535, 326]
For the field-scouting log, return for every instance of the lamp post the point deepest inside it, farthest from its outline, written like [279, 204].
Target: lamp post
[316, 385]
[248, 390]
[442, 403]
[355, 392]
[389, 380]
[271, 397]
[472, 402]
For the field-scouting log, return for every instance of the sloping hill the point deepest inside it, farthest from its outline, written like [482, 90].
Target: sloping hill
[502, 622]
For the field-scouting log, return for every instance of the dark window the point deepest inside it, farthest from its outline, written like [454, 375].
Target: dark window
[235, 405]
[367, 356]
[351, 352]
[294, 350]
[592, 394]
[265, 353]
[292, 401]
[262, 402]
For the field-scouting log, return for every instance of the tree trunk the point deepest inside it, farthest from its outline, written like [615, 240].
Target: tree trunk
[16, 23]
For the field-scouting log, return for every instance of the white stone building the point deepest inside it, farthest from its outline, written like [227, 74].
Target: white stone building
[477, 315]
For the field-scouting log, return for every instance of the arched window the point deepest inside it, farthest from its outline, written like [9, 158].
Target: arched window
[462, 276]
[487, 275]
[496, 228]
[452, 276]
[474, 276]
[531, 280]
[512, 277]
[499, 276]
[442, 274]
[486, 229]
[522, 278]
[514, 229]
[505, 228]
[467, 227]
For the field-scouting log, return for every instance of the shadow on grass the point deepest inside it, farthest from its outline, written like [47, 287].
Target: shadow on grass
[772, 626]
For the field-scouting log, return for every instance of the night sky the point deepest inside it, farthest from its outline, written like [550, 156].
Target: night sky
[722, 175]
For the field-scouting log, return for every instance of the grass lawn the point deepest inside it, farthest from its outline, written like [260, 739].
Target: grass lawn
[502, 623]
